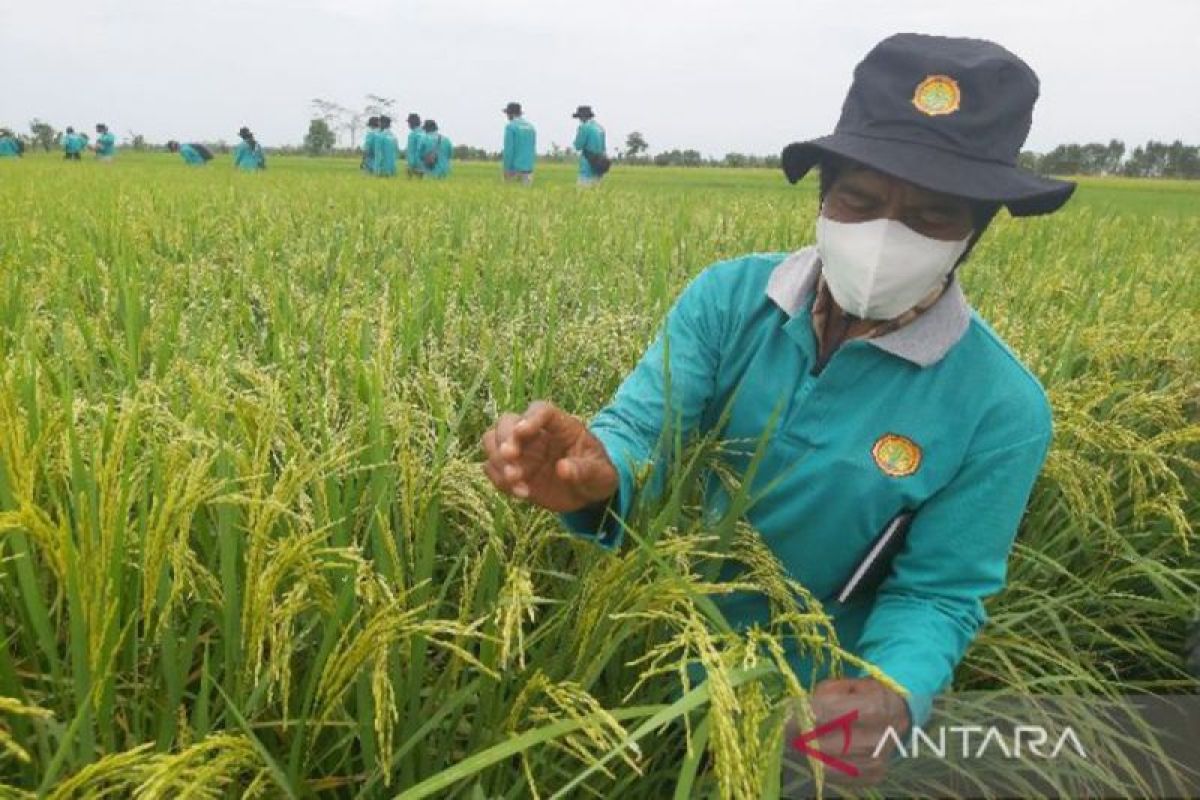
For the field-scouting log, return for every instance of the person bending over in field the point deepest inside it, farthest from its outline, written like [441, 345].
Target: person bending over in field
[10, 145]
[884, 397]
[248, 154]
[193, 153]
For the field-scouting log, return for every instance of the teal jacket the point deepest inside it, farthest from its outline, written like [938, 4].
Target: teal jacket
[368, 146]
[106, 144]
[385, 153]
[9, 147]
[938, 417]
[191, 155]
[74, 142]
[589, 138]
[520, 145]
[436, 143]
[249, 158]
[413, 148]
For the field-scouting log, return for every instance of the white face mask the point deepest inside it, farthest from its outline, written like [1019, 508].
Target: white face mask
[882, 268]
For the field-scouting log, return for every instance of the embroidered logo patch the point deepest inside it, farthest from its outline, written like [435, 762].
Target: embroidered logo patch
[896, 455]
[937, 95]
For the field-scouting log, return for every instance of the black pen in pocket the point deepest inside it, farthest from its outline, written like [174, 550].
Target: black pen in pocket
[874, 566]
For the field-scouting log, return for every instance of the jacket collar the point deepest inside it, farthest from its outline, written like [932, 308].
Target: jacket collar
[924, 341]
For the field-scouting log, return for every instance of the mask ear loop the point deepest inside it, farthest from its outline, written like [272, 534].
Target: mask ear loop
[983, 214]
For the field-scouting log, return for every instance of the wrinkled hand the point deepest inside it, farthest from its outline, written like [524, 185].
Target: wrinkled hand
[864, 709]
[548, 457]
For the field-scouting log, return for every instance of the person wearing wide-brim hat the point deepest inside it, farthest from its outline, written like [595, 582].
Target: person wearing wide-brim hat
[590, 144]
[900, 438]
[414, 145]
[436, 151]
[520, 146]
[248, 153]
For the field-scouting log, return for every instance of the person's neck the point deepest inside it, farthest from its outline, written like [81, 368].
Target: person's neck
[839, 327]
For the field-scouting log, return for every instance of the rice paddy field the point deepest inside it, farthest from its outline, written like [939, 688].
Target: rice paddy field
[246, 548]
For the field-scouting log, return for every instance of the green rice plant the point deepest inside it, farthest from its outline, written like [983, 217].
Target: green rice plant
[246, 547]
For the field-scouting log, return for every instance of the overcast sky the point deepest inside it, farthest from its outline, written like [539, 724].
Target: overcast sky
[734, 75]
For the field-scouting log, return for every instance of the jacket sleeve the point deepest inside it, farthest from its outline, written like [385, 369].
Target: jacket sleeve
[930, 607]
[687, 350]
[580, 139]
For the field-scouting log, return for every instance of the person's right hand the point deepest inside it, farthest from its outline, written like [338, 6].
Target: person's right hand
[550, 458]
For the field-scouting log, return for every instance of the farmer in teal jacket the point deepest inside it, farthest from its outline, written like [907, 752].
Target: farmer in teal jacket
[413, 147]
[435, 151]
[520, 146]
[248, 154]
[385, 149]
[10, 145]
[874, 388]
[106, 143]
[368, 158]
[589, 138]
[193, 154]
[73, 144]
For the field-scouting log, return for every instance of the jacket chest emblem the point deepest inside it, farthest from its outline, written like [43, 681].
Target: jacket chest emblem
[895, 455]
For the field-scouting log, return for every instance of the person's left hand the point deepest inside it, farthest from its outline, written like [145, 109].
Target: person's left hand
[858, 712]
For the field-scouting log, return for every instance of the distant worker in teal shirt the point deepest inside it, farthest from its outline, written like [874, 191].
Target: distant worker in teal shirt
[193, 154]
[10, 145]
[248, 153]
[368, 146]
[520, 146]
[386, 150]
[73, 144]
[435, 151]
[106, 143]
[876, 393]
[414, 146]
[589, 143]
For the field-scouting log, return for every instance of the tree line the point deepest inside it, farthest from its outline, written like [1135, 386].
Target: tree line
[1151, 160]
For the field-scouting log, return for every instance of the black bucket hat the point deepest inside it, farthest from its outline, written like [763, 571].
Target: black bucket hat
[430, 126]
[583, 112]
[245, 133]
[946, 114]
[513, 108]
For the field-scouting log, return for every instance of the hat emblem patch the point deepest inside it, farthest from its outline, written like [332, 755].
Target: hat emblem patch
[937, 95]
[897, 456]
